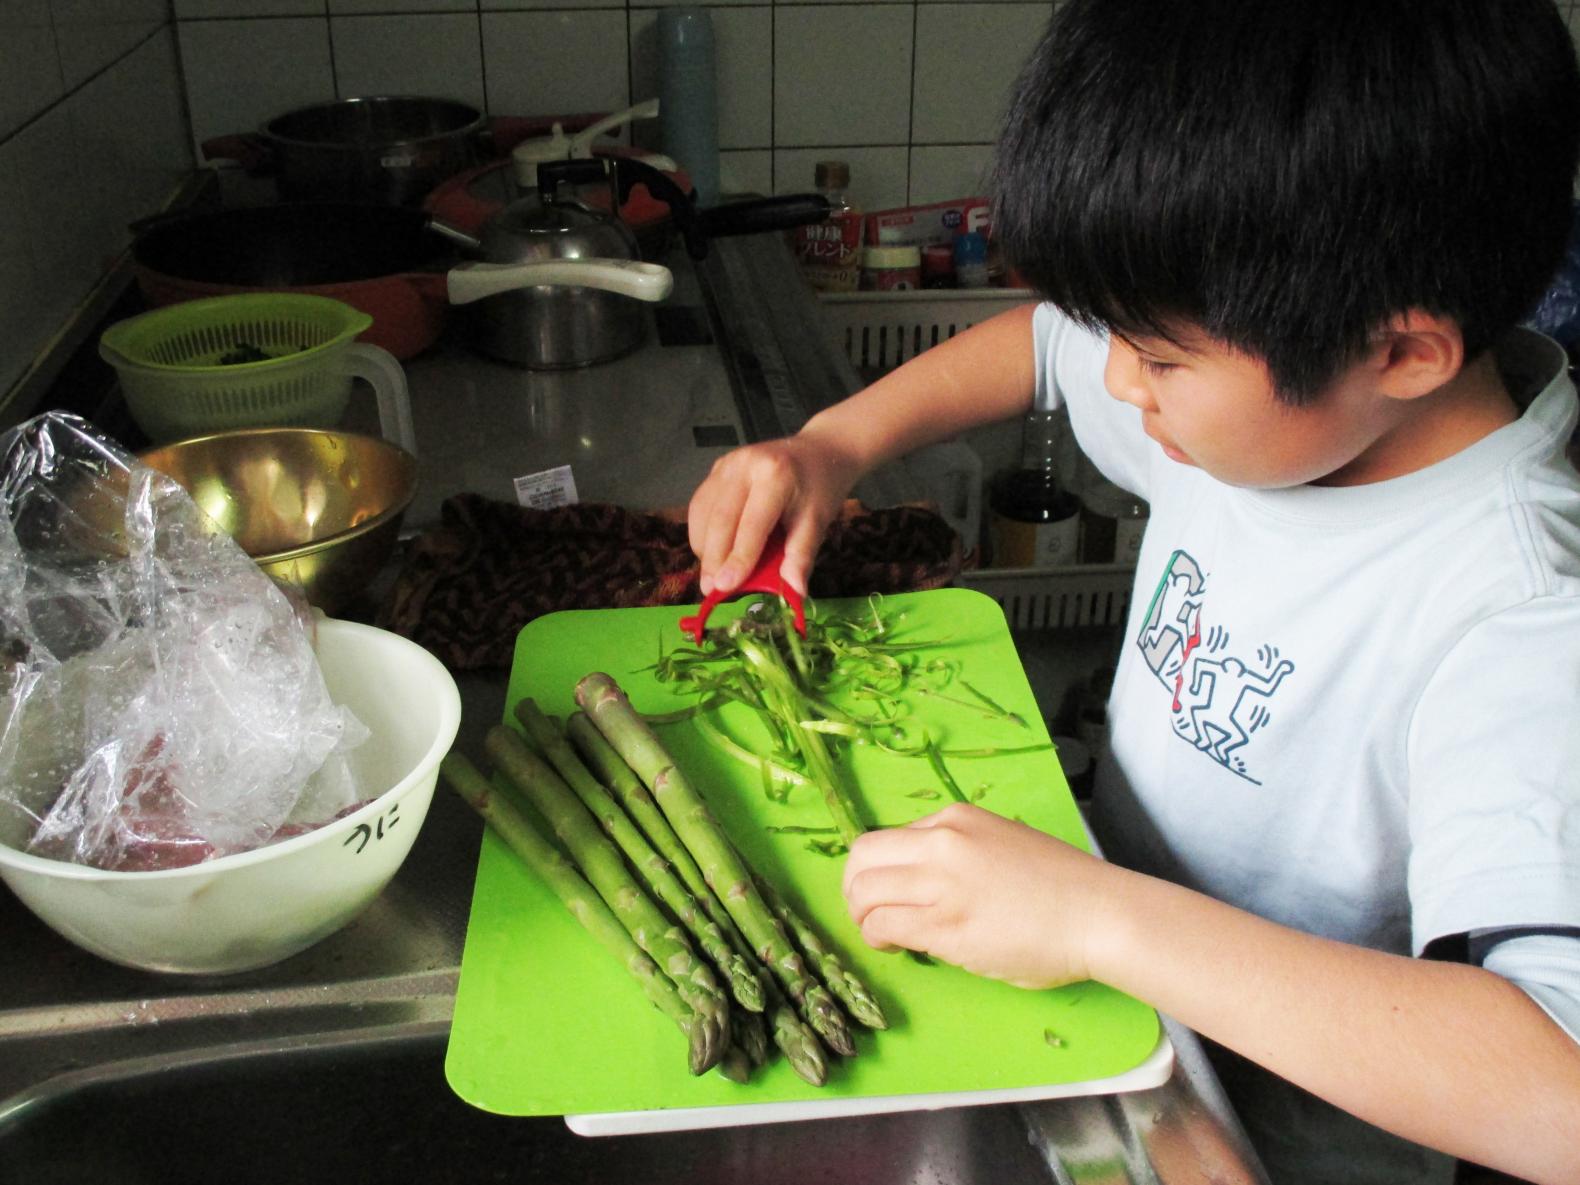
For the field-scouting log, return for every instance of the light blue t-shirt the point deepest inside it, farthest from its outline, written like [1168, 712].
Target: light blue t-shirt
[1353, 710]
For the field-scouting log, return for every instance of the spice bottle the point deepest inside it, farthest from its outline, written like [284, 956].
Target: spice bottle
[1035, 520]
[829, 252]
[1112, 523]
[891, 269]
[971, 260]
[938, 265]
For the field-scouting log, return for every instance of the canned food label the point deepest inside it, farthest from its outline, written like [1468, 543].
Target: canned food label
[548, 489]
[1127, 539]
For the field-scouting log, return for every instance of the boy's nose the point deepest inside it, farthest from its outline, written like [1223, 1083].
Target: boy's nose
[1122, 376]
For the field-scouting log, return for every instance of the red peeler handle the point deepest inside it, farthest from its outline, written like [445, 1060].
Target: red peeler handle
[765, 577]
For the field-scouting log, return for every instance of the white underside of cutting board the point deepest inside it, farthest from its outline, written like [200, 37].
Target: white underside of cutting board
[1154, 1071]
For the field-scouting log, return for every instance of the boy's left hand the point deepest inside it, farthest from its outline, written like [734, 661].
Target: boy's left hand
[975, 889]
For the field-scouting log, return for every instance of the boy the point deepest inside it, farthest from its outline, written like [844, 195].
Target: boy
[1284, 246]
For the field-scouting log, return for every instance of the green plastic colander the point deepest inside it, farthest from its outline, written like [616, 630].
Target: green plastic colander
[252, 360]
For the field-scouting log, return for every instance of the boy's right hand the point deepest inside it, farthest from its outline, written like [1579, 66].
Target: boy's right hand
[797, 481]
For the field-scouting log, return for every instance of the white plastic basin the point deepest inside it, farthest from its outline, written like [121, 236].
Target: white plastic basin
[259, 907]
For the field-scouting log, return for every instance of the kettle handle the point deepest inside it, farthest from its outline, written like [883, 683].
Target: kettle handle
[628, 277]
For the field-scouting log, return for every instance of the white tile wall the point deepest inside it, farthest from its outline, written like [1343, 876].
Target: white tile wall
[909, 92]
[240, 73]
[92, 136]
[426, 54]
[557, 61]
[31, 78]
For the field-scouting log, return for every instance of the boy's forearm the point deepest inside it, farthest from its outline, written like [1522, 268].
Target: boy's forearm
[1448, 1055]
[983, 374]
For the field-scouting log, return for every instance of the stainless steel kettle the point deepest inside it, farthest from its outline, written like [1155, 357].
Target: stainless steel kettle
[598, 319]
[587, 311]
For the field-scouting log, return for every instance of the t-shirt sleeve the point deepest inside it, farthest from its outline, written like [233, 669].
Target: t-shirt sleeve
[1494, 781]
[1070, 362]
[1546, 967]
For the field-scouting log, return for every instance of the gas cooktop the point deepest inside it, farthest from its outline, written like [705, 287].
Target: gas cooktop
[739, 352]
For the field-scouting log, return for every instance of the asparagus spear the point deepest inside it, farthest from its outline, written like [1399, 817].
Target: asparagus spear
[791, 1034]
[748, 1031]
[602, 700]
[847, 988]
[736, 1064]
[600, 862]
[614, 773]
[650, 865]
[556, 871]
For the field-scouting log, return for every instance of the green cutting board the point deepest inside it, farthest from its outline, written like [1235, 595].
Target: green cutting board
[547, 1023]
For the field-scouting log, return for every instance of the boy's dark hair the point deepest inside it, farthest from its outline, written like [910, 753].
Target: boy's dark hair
[1287, 174]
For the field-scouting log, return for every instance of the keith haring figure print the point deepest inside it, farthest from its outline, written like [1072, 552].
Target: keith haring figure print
[1216, 700]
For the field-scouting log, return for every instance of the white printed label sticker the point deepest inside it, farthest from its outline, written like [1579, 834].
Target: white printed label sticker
[546, 490]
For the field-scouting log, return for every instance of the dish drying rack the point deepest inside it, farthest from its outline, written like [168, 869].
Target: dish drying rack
[878, 331]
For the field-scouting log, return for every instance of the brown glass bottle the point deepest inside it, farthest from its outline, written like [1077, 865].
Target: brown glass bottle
[1036, 520]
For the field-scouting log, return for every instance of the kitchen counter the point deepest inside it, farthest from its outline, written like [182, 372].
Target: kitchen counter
[71, 1023]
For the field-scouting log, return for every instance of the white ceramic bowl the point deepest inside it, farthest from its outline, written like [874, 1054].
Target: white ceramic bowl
[258, 907]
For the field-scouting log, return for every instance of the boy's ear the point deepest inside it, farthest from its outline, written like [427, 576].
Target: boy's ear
[1416, 353]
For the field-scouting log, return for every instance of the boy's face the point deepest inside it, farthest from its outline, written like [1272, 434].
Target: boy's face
[1213, 407]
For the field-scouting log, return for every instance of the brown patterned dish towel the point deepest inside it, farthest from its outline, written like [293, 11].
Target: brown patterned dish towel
[468, 585]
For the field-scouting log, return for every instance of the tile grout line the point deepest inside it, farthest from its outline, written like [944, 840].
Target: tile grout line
[67, 95]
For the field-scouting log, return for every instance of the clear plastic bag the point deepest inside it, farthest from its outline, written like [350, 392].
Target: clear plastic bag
[162, 703]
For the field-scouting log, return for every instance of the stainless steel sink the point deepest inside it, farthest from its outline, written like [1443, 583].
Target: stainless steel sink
[379, 1110]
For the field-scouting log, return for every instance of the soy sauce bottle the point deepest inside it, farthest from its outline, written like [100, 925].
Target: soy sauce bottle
[1035, 520]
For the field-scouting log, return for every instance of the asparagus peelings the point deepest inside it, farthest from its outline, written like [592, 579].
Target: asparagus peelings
[850, 681]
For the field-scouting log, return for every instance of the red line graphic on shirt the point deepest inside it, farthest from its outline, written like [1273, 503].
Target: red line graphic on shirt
[1218, 701]
[1190, 644]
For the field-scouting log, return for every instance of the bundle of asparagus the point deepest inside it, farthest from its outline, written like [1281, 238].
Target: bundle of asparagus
[649, 872]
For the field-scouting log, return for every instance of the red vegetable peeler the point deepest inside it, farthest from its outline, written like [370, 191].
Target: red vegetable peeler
[765, 578]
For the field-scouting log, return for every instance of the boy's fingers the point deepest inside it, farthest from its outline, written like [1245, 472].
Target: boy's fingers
[956, 814]
[697, 517]
[891, 927]
[889, 852]
[801, 541]
[758, 517]
[889, 884]
[719, 535]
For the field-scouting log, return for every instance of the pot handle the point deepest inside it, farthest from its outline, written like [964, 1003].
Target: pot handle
[628, 277]
[250, 151]
[624, 172]
[378, 367]
[759, 214]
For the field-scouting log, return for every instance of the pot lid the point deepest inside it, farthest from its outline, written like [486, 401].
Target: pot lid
[531, 216]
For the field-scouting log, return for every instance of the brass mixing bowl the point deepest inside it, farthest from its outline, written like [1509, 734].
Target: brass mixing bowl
[317, 509]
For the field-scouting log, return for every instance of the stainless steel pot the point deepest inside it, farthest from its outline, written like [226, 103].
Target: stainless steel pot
[390, 149]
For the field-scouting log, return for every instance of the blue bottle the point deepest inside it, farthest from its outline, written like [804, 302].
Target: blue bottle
[688, 97]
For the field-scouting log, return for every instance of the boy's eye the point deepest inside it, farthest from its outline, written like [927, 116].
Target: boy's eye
[1153, 365]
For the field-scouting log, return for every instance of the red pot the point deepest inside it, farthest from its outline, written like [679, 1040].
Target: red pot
[387, 261]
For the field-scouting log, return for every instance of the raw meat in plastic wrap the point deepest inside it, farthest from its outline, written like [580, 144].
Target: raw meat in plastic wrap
[162, 703]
